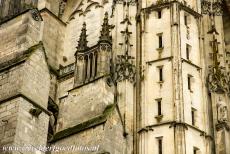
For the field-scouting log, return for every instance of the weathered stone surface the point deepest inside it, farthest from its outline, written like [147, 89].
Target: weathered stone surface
[168, 105]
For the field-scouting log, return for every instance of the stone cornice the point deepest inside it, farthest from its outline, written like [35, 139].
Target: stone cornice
[161, 59]
[190, 63]
[19, 58]
[35, 104]
[53, 15]
[155, 7]
[174, 124]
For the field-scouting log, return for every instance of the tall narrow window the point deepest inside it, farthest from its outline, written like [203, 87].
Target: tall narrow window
[189, 82]
[159, 106]
[160, 41]
[188, 50]
[160, 69]
[159, 13]
[193, 114]
[161, 74]
[186, 20]
[159, 139]
[195, 150]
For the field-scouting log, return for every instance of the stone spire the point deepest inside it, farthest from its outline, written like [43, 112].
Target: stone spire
[82, 43]
[105, 30]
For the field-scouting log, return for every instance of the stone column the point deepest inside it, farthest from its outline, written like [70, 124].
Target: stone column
[93, 67]
[79, 73]
[179, 128]
[88, 69]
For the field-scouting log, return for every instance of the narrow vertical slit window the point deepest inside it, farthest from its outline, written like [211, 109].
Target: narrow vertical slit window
[160, 39]
[188, 50]
[159, 107]
[189, 80]
[160, 146]
[160, 70]
[186, 20]
[193, 114]
[159, 14]
[195, 150]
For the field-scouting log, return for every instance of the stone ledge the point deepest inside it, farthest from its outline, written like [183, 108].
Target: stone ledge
[35, 104]
[84, 125]
[18, 57]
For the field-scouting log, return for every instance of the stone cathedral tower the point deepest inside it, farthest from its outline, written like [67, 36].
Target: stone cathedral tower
[121, 76]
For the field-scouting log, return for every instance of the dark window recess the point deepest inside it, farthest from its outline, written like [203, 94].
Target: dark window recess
[187, 52]
[95, 64]
[160, 146]
[189, 82]
[86, 67]
[195, 150]
[193, 116]
[159, 107]
[160, 74]
[186, 20]
[160, 41]
[159, 13]
[91, 66]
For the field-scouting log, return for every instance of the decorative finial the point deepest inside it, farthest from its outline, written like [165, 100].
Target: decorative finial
[82, 43]
[105, 36]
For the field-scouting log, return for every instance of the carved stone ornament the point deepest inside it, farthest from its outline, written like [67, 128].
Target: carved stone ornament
[82, 43]
[36, 15]
[105, 32]
[222, 112]
[62, 5]
[215, 8]
[125, 69]
[218, 81]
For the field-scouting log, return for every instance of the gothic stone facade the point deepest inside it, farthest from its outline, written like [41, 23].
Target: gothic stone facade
[126, 76]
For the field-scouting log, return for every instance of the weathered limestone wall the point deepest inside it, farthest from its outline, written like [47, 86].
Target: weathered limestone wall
[8, 121]
[19, 128]
[18, 35]
[31, 79]
[88, 102]
[10, 8]
[53, 35]
[64, 87]
[149, 140]
[30, 130]
[51, 5]
[36, 78]
[108, 136]
[10, 77]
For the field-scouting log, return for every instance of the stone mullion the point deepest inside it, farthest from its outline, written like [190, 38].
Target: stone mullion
[88, 69]
[93, 66]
